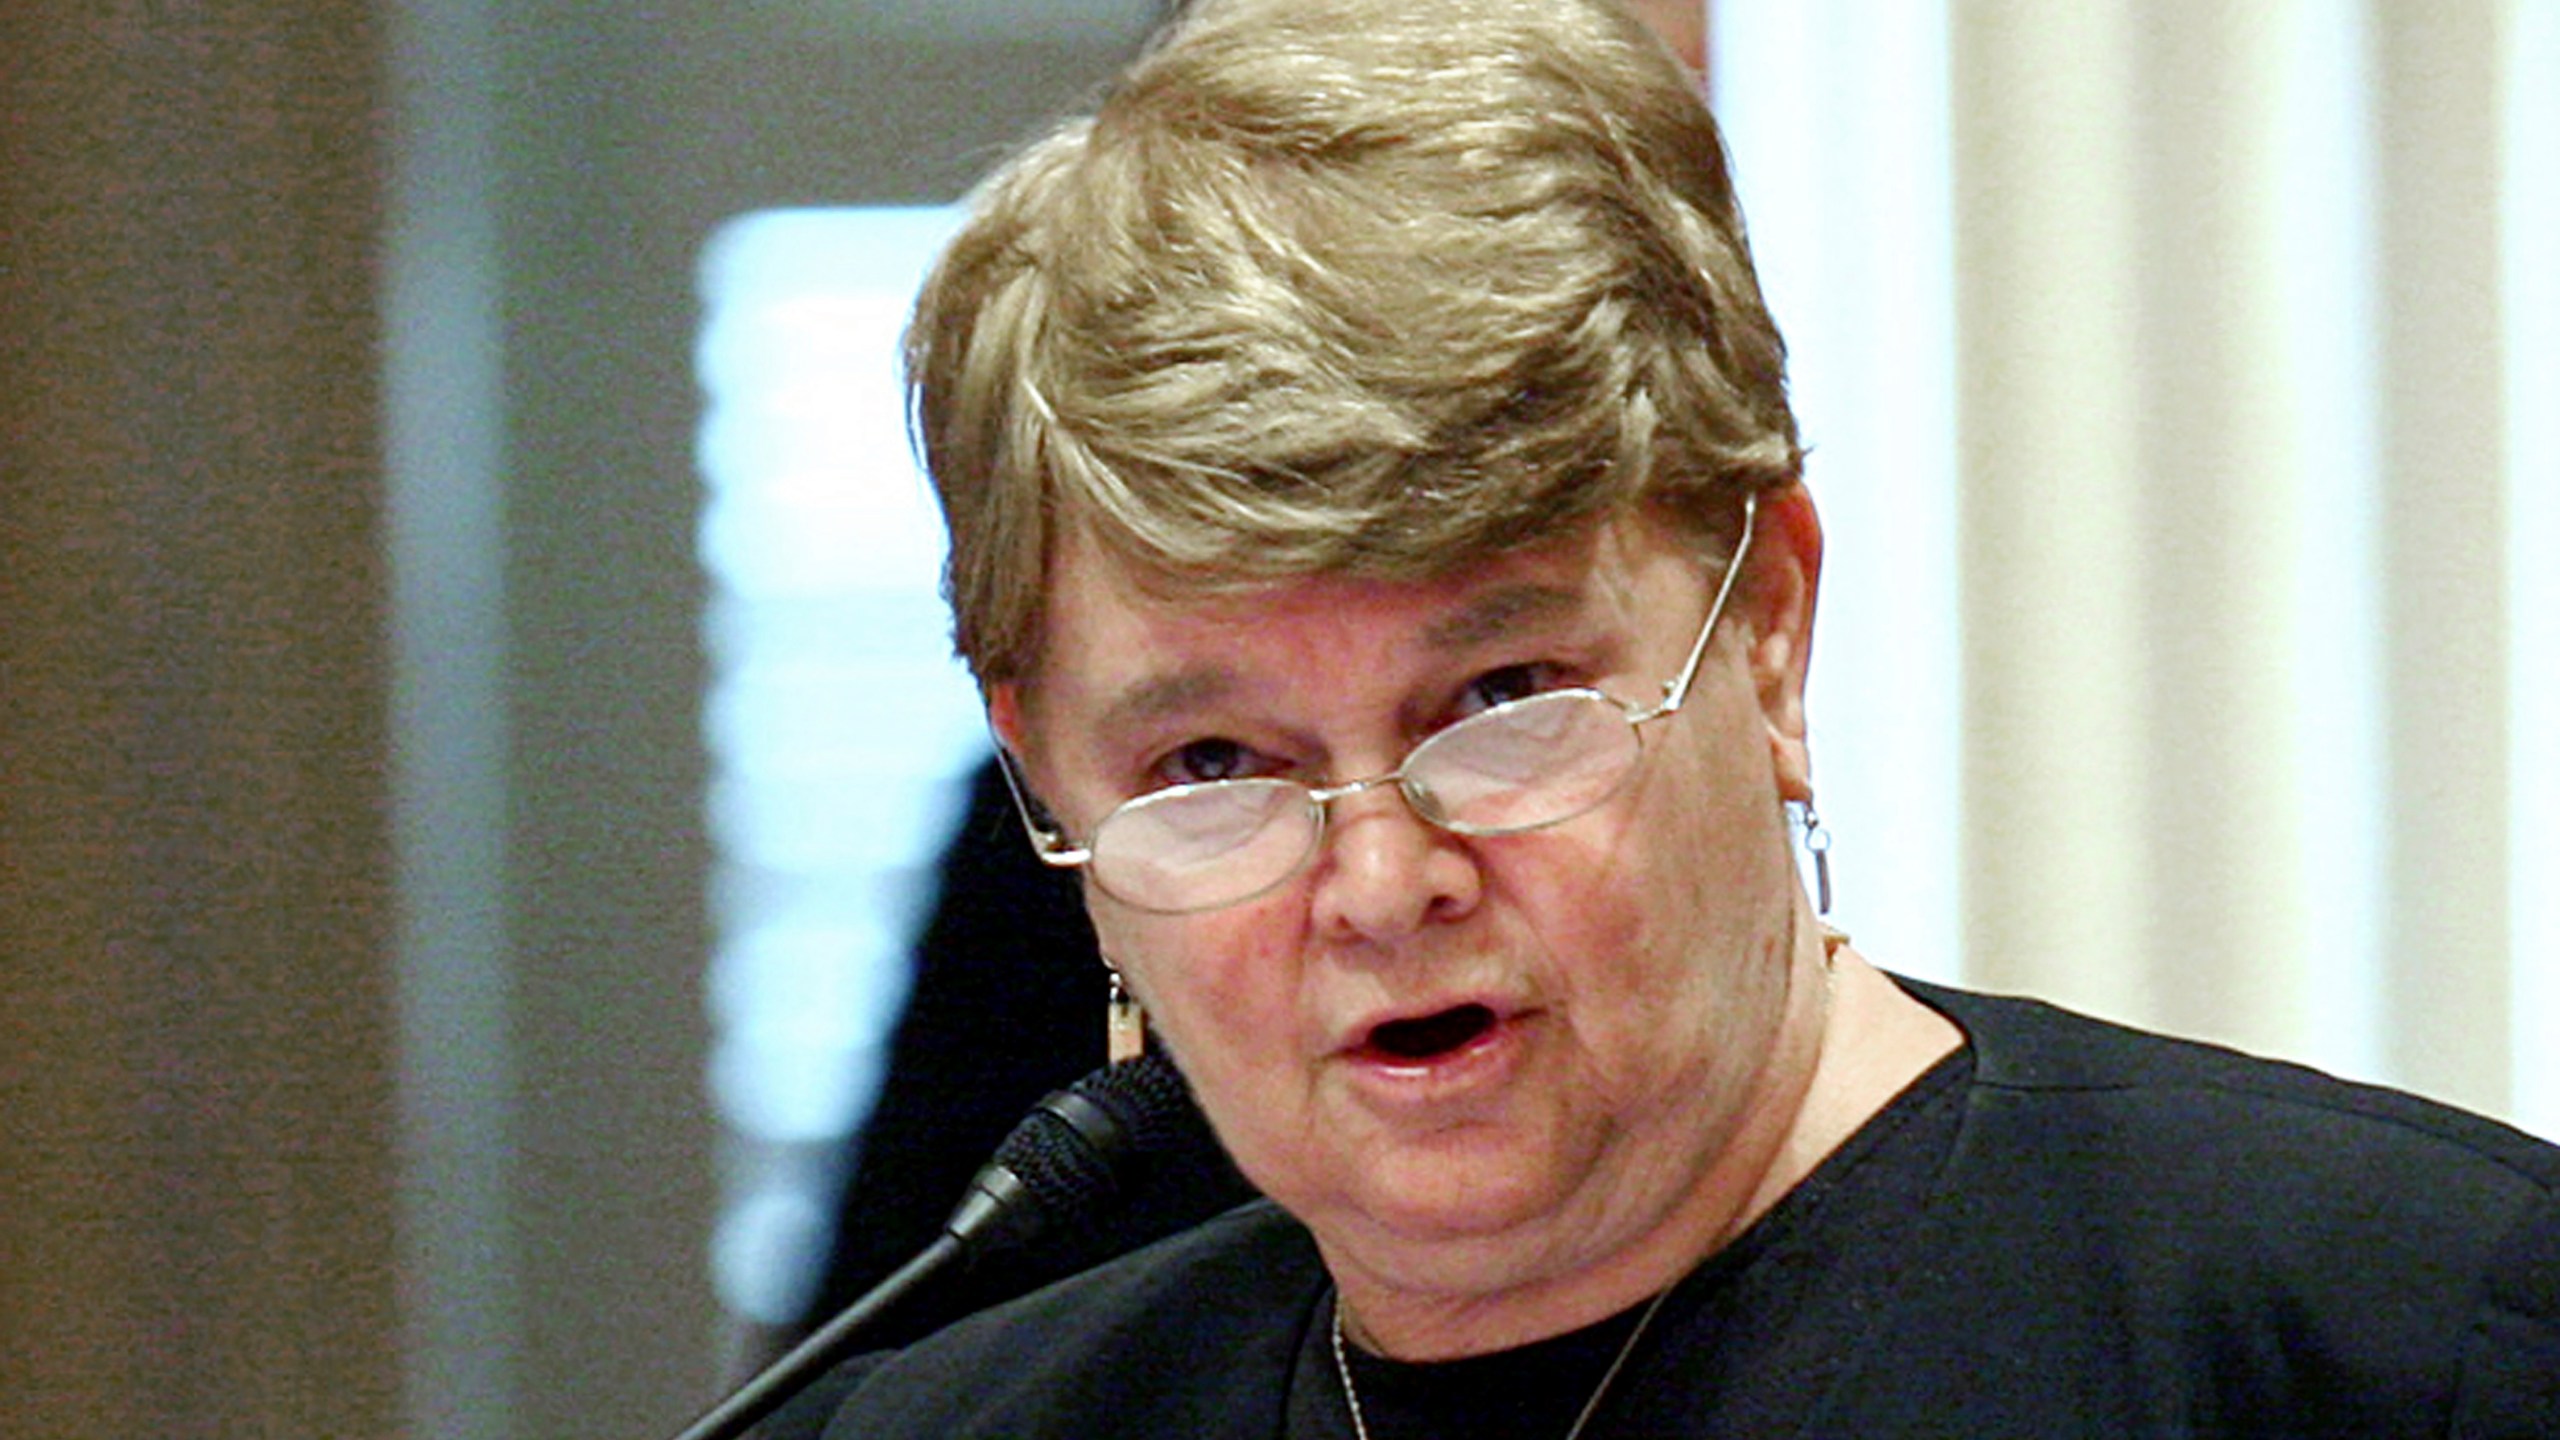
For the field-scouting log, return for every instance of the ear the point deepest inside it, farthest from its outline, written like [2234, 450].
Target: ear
[1008, 715]
[1784, 571]
[1004, 714]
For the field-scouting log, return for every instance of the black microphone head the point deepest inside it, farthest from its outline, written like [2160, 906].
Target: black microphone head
[1076, 1149]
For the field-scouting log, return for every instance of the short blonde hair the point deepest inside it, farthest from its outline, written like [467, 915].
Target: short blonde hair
[1366, 287]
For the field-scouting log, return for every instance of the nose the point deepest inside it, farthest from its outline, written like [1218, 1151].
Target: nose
[1386, 872]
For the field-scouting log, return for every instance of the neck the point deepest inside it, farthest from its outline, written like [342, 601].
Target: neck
[1882, 1040]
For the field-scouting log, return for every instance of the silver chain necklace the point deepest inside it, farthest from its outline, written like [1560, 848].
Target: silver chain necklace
[1590, 1407]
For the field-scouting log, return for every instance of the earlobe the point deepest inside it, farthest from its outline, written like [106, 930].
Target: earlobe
[1785, 576]
[1004, 715]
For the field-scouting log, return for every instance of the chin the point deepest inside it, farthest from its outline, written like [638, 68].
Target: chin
[1454, 1202]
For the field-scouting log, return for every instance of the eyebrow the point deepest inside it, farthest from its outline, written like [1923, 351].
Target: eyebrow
[1486, 617]
[1496, 612]
[1158, 696]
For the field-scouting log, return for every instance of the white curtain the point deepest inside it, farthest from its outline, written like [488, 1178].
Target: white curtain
[2180, 378]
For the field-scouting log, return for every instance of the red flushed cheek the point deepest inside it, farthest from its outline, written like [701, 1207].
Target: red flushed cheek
[1229, 983]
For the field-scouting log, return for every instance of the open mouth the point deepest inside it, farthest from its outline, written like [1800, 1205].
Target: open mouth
[1430, 1036]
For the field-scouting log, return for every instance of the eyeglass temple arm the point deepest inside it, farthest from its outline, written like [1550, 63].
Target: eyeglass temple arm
[1048, 841]
[1675, 691]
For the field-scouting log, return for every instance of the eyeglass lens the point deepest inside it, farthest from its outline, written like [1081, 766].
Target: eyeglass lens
[1198, 846]
[1531, 762]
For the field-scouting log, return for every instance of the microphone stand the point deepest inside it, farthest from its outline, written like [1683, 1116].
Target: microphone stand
[778, 1382]
[1070, 1155]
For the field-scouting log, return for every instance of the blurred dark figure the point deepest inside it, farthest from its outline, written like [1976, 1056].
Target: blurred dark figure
[1007, 1006]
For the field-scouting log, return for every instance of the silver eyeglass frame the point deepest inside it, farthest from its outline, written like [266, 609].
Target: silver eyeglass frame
[1050, 842]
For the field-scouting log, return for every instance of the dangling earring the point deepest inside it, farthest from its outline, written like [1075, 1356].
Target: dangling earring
[1125, 1022]
[1817, 843]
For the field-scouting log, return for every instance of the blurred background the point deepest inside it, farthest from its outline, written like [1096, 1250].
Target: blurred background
[473, 723]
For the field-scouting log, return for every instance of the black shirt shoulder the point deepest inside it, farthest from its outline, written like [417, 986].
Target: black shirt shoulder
[2200, 1236]
[2028, 1047]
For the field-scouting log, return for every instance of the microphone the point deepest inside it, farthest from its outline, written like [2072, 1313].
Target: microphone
[1070, 1157]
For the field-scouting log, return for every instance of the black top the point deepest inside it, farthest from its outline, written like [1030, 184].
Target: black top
[2073, 1229]
[1767, 1308]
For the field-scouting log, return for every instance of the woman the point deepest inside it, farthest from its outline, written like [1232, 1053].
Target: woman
[1376, 526]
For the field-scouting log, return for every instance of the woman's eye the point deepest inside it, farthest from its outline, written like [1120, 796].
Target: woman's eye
[1501, 687]
[1202, 761]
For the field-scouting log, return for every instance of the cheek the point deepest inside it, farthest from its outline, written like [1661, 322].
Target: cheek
[1222, 997]
[1209, 982]
[1675, 907]
[1652, 877]
[1712, 810]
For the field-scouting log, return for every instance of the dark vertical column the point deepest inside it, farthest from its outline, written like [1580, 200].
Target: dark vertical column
[196, 1121]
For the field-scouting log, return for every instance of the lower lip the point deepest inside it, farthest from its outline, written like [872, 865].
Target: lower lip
[1483, 1063]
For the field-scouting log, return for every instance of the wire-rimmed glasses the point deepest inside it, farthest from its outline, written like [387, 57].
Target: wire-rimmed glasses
[1522, 765]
